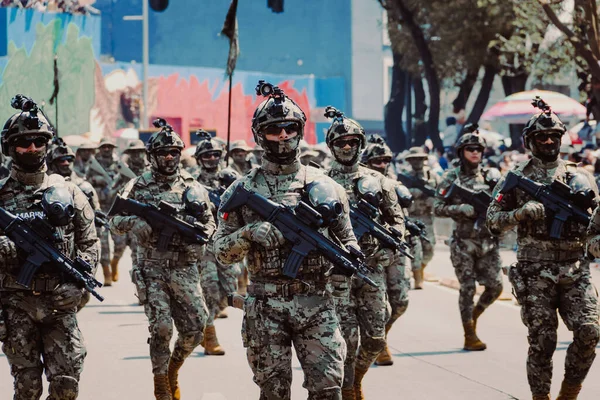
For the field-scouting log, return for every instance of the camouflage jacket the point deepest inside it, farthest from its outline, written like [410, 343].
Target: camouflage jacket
[422, 205]
[471, 179]
[100, 184]
[151, 188]
[21, 194]
[533, 239]
[283, 184]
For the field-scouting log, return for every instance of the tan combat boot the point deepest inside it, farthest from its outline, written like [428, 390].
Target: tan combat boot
[114, 266]
[541, 397]
[222, 314]
[359, 374]
[418, 275]
[477, 311]
[173, 375]
[385, 357]
[568, 391]
[107, 275]
[348, 393]
[472, 342]
[162, 390]
[211, 343]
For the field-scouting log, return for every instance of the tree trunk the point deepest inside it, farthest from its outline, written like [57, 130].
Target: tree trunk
[420, 128]
[465, 89]
[514, 84]
[484, 93]
[395, 135]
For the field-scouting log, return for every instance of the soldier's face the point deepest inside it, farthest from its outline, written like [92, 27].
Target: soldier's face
[30, 151]
[167, 160]
[106, 151]
[64, 166]
[137, 157]
[210, 159]
[473, 154]
[346, 148]
[239, 156]
[416, 163]
[379, 164]
[85, 154]
[546, 145]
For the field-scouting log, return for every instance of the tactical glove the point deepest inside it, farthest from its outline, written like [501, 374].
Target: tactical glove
[532, 210]
[142, 230]
[265, 234]
[8, 250]
[465, 210]
[67, 296]
[594, 246]
[195, 251]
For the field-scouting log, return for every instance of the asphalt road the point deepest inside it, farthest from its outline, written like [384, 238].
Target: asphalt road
[426, 342]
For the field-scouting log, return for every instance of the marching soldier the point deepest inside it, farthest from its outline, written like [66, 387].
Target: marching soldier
[239, 153]
[167, 282]
[41, 332]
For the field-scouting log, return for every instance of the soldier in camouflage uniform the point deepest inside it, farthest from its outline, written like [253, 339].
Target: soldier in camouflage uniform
[102, 184]
[422, 209]
[41, 334]
[167, 282]
[551, 274]
[378, 156]
[239, 153]
[136, 164]
[281, 311]
[365, 310]
[82, 157]
[217, 281]
[474, 251]
[60, 161]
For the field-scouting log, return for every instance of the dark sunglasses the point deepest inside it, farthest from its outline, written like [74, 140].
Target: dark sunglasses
[542, 137]
[275, 129]
[25, 142]
[385, 160]
[473, 149]
[212, 154]
[341, 143]
[164, 152]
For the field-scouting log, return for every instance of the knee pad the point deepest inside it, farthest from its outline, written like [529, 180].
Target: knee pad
[28, 383]
[588, 333]
[162, 330]
[546, 340]
[63, 388]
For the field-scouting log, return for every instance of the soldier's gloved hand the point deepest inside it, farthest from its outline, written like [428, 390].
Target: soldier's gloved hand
[532, 210]
[66, 296]
[195, 251]
[594, 246]
[265, 234]
[142, 230]
[464, 209]
[384, 257]
[8, 250]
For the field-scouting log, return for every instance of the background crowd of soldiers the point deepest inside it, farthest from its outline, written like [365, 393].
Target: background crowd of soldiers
[329, 279]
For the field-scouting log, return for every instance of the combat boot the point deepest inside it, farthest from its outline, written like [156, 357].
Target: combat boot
[472, 342]
[385, 357]
[107, 275]
[211, 343]
[418, 275]
[222, 314]
[568, 391]
[173, 375]
[348, 393]
[477, 311]
[359, 374]
[541, 397]
[162, 390]
[114, 266]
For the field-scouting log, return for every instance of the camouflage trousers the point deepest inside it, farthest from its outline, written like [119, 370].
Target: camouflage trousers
[120, 244]
[119, 241]
[423, 250]
[542, 288]
[41, 339]
[363, 311]
[217, 282]
[398, 286]
[172, 295]
[476, 261]
[272, 325]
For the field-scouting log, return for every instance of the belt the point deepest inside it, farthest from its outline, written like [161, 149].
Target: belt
[165, 255]
[258, 289]
[38, 285]
[529, 254]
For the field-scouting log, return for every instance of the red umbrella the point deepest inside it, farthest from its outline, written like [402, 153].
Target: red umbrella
[517, 108]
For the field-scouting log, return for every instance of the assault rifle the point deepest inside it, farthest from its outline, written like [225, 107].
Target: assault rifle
[95, 166]
[215, 195]
[300, 227]
[413, 182]
[363, 217]
[36, 238]
[162, 219]
[416, 228]
[100, 219]
[480, 200]
[125, 170]
[557, 198]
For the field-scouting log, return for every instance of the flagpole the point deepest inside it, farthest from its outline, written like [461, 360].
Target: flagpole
[229, 120]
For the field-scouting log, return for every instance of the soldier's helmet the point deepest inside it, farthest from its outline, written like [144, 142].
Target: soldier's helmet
[59, 150]
[342, 126]
[134, 145]
[471, 136]
[206, 144]
[240, 145]
[28, 121]
[545, 121]
[376, 148]
[166, 137]
[107, 142]
[87, 145]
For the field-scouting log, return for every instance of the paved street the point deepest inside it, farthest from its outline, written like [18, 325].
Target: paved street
[426, 343]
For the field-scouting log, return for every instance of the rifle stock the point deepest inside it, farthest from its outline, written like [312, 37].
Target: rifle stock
[414, 182]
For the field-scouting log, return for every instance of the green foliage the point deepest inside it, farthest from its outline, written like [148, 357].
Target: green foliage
[33, 75]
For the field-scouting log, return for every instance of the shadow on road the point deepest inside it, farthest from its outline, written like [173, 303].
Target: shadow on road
[431, 353]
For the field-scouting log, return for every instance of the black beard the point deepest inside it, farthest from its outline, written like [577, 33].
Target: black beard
[337, 154]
